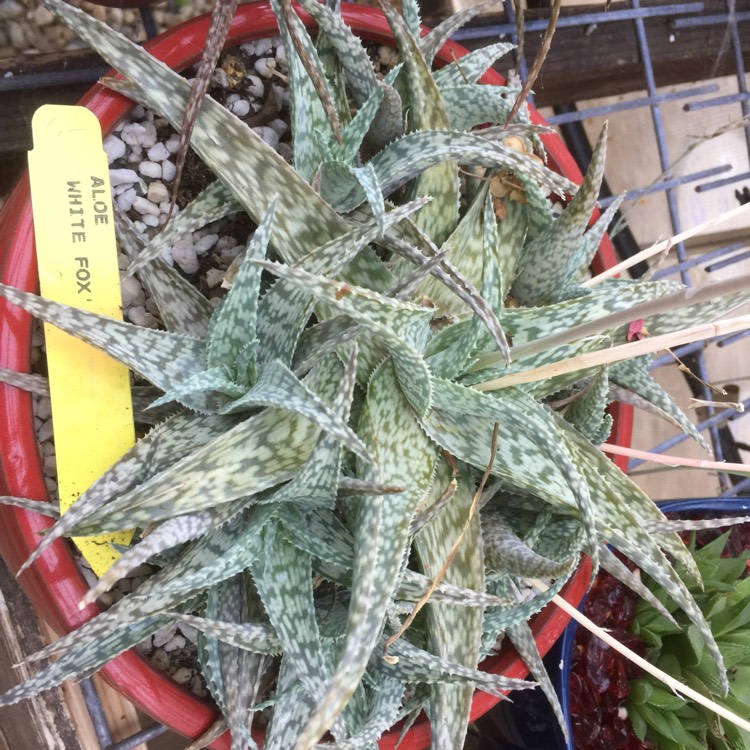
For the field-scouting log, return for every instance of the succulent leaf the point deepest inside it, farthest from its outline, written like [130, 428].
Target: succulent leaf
[417, 665]
[284, 566]
[381, 537]
[505, 552]
[234, 323]
[633, 375]
[470, 68]
[400, 325]
[285, 308]
[586, 412]
[539, 280]
[165, 444]
[523, 641]
[164, 359]
[182, 308]
[279, 387]
[580, 261]
[431, 42]
[474, 104]
[455, 632]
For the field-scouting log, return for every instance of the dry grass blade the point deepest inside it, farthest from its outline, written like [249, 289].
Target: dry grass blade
[666, 245]
[520, 30]
[619, 353]
[540, 58]
[454, 549]
[690, 463]
[221, 19]
[673, 301]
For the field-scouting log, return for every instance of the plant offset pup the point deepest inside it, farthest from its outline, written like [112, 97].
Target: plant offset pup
[328, 442]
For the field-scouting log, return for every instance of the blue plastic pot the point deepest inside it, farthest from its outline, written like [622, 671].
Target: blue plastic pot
[527, 723]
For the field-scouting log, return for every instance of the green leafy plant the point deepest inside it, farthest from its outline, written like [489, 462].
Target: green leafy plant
[343, 448]
[666, 719]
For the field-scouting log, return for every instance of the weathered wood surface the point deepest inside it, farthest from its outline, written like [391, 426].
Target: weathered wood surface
[57, 719]
[44, 722]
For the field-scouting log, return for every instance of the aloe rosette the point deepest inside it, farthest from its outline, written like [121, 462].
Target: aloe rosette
[322, 473]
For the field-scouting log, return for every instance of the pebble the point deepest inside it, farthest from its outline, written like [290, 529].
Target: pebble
[184, 255]
[229, 254]
[241, 108]
[175, 643]
[189, 632]
[152, 221]
[265, 67]
[50, 466]
[150, 169]
[158, 152]
[139, 134]
[168, 170]
[254, 87]
[43, 407]
[279, 126]
[45, 431]
[16, 35]
[132, 293]
[114, 148]
[160, 659]
[144, 569]
[157, 193]
[163, 636]
[214, 277]
[137, 582]
[196, 686]
[267, 135]
[145, 206]
[205, 243]
[125, 199]
[37, 336]
[219, 79]
[141, 317]
[10, 9]
[262, 46]
[183, 675]
[122, 177]
[106, 600]
[172, 144]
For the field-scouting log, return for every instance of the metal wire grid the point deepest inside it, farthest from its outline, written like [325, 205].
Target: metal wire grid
[684, 15]
[714, 260]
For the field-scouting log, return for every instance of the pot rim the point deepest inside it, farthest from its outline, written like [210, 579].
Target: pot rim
[54, 583]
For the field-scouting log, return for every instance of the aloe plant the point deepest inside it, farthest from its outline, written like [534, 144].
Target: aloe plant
[329, 437]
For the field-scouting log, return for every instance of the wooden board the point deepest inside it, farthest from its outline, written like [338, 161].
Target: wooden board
[44, 722]
[57, 719]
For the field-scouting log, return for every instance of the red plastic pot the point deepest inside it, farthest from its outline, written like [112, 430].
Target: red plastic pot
[54, 583]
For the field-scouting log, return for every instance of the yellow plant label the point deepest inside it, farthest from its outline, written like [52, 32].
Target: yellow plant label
[92, 412]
